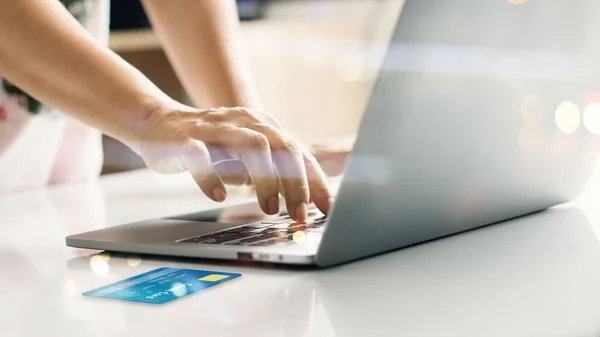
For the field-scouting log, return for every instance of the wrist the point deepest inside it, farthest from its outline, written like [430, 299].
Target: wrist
[142, 118]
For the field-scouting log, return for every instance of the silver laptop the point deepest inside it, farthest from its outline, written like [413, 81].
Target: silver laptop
[484, 110]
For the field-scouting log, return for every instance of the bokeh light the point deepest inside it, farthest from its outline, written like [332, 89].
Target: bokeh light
[134, 261]
[568, 117]
[299, 236]
[99, 265]
[592, 98]
[591, 118]
[104, 256]
[517, 2]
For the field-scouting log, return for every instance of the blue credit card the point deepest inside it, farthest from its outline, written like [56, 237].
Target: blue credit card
[162, 285]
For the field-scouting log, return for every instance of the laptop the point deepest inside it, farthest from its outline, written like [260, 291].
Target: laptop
[483, 111]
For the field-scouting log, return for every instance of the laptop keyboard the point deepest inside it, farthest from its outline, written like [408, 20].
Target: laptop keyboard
[266, 233]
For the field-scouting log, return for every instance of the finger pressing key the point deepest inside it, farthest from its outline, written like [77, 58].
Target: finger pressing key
[197, 161]
[253, 149]
[318, 183]
[289, 164]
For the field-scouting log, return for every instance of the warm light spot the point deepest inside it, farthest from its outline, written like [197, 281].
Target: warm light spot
[593, 98]
[134, 261]
[299, 236]
[99, 265]
[350, 67]
[517, 2]
[104, 256]
[568, 117]
[533, 109]
[591, 118]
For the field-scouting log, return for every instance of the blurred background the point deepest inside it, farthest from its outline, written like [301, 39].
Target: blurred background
[307, 57]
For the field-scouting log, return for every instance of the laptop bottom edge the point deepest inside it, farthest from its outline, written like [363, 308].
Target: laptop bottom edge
[204, 253]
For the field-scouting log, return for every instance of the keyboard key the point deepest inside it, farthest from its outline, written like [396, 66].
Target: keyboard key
[252, 239]
[287, 238]
[257, 225]
[192, 240]
[282, 225]
[265, 233]
[218, 237]
[224, 239]
[265, 237]
[240, 241]
[243, 229]
[275, 221]
[283, 239]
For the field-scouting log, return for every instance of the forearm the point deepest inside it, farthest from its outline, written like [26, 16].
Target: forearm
[45, 52]
[202, 40]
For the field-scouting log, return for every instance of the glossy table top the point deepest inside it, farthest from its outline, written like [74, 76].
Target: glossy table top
[536, 276]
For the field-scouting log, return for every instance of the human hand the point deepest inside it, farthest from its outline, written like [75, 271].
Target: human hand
[331, 154]
[235, 146]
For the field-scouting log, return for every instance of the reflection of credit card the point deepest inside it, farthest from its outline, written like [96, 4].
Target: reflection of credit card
[162, 285]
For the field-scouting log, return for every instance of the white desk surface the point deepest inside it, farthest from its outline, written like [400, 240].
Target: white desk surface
[539, 276]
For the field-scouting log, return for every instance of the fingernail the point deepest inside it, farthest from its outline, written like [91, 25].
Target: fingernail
[273, 206]
[219, 194]
[301, 212]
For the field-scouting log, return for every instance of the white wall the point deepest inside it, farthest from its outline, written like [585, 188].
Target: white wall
[307, 60]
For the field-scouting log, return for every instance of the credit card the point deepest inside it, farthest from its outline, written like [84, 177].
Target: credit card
[162, 285]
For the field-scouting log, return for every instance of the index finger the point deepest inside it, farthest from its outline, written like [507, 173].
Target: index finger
[289, 165]
[318, 183]
[253, 149]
